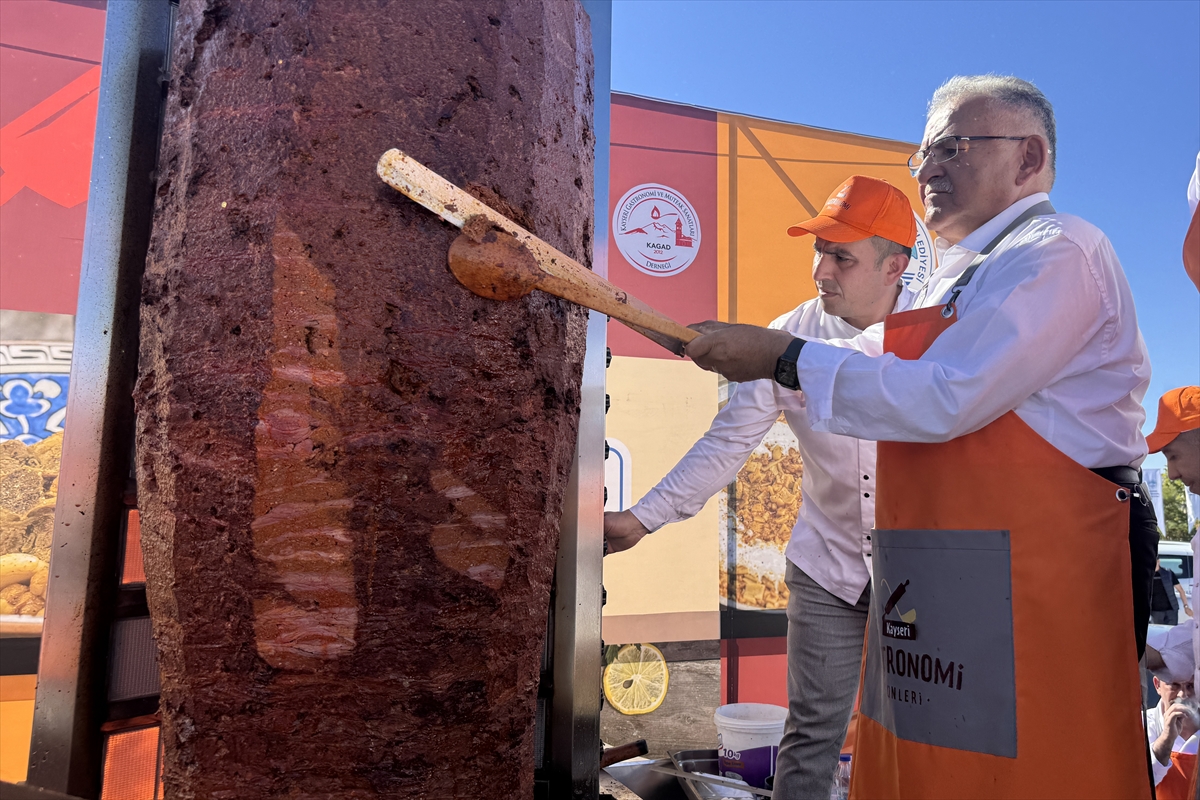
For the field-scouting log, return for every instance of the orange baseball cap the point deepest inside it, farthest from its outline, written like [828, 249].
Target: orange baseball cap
[860, 208]
[1178, 412]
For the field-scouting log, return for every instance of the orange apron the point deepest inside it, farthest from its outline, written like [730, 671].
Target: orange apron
[1177, 783]
[1001, 620]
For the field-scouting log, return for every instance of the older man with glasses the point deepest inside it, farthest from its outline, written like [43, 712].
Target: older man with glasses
[1012, 528]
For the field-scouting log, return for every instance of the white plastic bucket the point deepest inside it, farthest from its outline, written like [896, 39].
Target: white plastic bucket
[748, 736]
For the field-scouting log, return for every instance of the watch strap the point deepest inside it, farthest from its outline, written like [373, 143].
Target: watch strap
[786, 374]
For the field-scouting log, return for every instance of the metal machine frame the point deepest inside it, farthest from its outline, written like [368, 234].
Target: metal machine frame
[66, 753]
[573, 747]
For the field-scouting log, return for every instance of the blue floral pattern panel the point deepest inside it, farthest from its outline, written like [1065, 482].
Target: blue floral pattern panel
[34, 377]
[33, 406]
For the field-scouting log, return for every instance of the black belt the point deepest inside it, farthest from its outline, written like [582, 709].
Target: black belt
[1125, 476]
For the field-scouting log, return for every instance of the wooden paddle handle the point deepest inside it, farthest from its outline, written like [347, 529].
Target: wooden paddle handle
[565, 277]
[602, 296]
[615, 755]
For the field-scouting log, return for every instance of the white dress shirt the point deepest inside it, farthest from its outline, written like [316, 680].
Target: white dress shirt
[831, 540]
[1153, 719]
[1046, 326]
[1193, 192]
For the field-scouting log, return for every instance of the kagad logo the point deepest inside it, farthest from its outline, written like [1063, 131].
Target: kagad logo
[657, 230]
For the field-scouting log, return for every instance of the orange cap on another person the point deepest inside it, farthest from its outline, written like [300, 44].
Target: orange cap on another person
[860, 208]
[1178, 412]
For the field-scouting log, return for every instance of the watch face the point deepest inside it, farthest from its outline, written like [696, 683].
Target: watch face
[785, 374]
[785, 367]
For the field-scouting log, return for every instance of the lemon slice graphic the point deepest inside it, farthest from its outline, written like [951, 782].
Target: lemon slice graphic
[636, 681]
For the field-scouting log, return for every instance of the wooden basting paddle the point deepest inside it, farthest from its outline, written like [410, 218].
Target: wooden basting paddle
[496, 258]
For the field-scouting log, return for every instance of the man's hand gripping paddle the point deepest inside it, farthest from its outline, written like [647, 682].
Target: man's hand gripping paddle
[496, 258]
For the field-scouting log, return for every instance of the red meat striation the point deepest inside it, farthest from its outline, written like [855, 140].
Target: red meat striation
[351, 470]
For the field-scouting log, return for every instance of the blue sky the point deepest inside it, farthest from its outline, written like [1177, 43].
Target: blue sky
[1124, 78]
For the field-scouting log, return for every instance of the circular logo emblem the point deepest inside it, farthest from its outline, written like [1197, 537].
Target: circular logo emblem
[922, 263]
[657, 230]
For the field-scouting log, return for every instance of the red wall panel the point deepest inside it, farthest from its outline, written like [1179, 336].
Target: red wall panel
[49, 80]
[673, 146]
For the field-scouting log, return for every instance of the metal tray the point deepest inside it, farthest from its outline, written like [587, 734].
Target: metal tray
[706, 761]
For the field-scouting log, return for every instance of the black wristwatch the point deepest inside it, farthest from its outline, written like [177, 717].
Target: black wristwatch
[785, 368]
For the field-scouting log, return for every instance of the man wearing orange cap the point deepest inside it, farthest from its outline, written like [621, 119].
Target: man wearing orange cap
[863, 239]
[1177, 435]
[1007, 408]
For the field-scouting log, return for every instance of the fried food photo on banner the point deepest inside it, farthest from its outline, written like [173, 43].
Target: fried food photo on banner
[766, 502]
[28, 492]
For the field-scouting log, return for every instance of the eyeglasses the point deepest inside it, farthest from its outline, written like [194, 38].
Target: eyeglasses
[948, 147]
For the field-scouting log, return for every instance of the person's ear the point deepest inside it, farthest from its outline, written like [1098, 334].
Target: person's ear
[893, 268]
[1035, 159]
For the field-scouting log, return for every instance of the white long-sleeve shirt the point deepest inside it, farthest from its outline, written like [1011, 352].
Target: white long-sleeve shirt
[1046, 326]
[1193, 192]
[831, 538]
[1154, 727]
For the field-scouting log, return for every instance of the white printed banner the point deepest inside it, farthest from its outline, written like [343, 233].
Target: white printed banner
[923, 261]
[1153, 476]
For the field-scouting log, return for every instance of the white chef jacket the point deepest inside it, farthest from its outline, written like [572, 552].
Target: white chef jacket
[1046, 326]
[1195, 627]
[1153, 719]
[831, 540]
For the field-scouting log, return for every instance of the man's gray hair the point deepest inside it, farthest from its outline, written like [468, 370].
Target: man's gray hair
[1007, 90]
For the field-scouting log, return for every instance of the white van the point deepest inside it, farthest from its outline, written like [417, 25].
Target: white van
[1177, 557]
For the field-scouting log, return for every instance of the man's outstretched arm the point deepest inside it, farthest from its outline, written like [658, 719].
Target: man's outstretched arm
[1015, 338]
[708, 467]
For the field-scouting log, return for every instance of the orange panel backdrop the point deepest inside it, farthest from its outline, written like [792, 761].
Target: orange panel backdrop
[747, 180]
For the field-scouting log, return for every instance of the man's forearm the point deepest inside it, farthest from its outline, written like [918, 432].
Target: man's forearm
[1161, 748]
[741, 352]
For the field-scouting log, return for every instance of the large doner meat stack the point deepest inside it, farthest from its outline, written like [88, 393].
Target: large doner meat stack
[350, 469]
